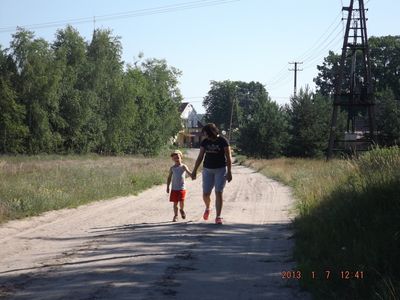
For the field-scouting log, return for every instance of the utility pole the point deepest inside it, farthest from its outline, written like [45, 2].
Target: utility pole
[295, 63]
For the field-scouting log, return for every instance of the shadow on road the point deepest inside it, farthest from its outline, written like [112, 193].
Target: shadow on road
[185, 260]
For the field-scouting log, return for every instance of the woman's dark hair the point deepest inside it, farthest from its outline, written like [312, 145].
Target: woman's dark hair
[211, 130]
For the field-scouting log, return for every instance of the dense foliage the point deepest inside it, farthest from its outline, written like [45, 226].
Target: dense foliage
[260, 128]
[74, 96]
[309, 116]
[259, 125]
[385, 70]
[264, 133]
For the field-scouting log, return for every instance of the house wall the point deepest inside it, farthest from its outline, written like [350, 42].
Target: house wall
[189, 117]
[189, 136]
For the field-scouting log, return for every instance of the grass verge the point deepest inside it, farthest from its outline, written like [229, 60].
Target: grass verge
[30, 185]
[348, 222]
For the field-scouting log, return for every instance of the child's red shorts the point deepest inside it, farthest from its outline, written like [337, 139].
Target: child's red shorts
[177, 196]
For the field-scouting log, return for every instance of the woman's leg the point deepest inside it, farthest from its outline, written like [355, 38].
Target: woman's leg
[208, 185]
[207, 200]
[218, 203]
[220, 182]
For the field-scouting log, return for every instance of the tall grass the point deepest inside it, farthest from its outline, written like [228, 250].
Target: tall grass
[311, 179]
[349, 220]
[30, 185]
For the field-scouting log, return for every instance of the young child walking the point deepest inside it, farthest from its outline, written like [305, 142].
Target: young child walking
[178, 192]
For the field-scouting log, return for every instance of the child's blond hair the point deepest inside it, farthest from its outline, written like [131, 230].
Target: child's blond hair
[177, 152]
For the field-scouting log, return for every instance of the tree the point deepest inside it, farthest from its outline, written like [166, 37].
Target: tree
[309, 117]
[36, 85]
[223, 95]
[122, 125]
[327, 72]
[12, 128]
[75, 105]
[385, 71]
[158, 99]
[218, 104]
[264, 133]
[385, 63]
[385, 66]
[388, 118]
[256, 117]
[73, 96]
[163, 84]
[104, 77]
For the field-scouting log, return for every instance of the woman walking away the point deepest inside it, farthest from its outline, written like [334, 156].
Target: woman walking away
[216, 168]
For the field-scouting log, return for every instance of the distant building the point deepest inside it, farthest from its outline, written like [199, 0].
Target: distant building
[192, 123]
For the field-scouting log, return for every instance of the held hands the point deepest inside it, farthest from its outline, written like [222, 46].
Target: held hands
[193, 175]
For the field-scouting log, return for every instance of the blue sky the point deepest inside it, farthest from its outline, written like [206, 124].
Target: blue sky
[248, 40]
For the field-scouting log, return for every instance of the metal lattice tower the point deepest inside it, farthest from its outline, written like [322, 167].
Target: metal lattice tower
[353, 87]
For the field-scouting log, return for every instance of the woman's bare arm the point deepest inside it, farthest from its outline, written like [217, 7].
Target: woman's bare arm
[198, 162]
[228, 156]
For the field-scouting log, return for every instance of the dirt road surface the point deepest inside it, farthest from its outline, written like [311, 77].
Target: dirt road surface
[128, 248]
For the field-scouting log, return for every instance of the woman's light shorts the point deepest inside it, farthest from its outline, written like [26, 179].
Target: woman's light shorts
[214, 178]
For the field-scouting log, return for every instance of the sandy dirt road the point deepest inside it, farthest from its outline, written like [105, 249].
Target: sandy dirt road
[128, 248]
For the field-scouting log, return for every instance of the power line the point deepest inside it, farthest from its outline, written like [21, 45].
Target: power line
[279, 79]
[324, 43]
[318, 42]
[121, 15]
[284, 81]
[309, 54]
[278, 75]
[322, 53]
[308, 62]
[314, 62]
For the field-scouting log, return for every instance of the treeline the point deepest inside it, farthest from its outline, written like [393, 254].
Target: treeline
[75, 96]
[262, 128]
